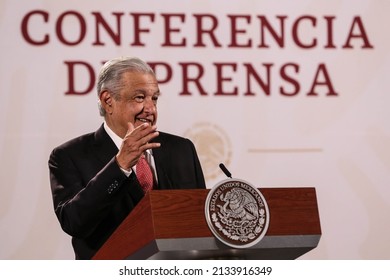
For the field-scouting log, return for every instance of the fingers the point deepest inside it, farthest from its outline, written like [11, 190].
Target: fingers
[140, 131]
[141, 135]
[147, 133]
[136, 142]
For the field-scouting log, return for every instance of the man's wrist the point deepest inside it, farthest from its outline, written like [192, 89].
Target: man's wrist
[124, 170]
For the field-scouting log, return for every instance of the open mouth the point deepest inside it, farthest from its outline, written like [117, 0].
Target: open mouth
[144, 120]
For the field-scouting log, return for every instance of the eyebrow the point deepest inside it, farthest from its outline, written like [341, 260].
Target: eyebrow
[158, 92]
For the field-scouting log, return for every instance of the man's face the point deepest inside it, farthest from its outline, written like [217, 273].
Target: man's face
[137, 103]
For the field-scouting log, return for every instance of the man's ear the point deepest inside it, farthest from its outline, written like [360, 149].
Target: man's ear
[106, 101]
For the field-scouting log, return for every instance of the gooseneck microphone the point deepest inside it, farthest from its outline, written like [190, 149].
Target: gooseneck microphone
[224, 169]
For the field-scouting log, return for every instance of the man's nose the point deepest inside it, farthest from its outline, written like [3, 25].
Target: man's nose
[149, 105]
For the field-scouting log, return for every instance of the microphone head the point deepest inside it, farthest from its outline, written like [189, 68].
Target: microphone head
[225, 170]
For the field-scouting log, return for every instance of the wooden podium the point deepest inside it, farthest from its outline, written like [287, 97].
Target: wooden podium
[171, 224]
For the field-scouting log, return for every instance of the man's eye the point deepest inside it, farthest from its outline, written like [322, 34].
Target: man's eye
[139, 98]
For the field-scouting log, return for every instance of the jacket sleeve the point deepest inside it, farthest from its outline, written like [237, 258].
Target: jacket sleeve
[82, 199]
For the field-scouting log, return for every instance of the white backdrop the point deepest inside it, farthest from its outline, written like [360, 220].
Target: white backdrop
[335, 139]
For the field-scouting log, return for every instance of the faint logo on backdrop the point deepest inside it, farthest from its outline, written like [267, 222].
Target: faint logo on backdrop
[237, 213]
[212, 145]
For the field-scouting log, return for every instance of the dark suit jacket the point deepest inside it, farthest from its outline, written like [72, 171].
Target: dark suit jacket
[92, 196]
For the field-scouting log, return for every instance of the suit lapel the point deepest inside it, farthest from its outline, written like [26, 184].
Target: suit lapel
[160, 157]
[104, 148]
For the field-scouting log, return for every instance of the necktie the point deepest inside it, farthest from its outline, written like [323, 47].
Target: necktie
[144, 174]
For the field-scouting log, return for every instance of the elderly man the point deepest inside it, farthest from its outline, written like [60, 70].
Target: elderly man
[98, 178]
